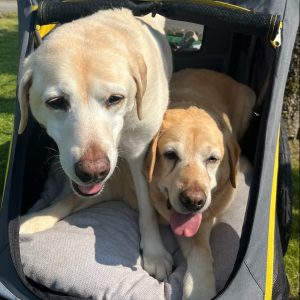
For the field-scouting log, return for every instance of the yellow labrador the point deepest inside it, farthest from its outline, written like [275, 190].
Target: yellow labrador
[192, 162]
[99, 85]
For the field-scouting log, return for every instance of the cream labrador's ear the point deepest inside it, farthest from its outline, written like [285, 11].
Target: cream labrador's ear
[150, 158]
[23, 95]
[140, 78]
[234, 150]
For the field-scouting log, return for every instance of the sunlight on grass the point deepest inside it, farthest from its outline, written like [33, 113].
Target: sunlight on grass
[8, 77]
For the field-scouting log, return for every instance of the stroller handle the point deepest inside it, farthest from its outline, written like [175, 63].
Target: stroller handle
[66, 11]
[206, 13]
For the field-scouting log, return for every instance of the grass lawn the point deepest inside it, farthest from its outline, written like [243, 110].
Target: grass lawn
[8, 71]
[292, 256]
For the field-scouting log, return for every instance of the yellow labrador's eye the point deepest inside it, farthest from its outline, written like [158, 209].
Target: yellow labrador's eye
[212, 159]
[58, 103]
[114, 99]
[171, 155]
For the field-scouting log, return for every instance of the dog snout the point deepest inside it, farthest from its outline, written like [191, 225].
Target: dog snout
[192, 199]
[92, 171]
[93, 166]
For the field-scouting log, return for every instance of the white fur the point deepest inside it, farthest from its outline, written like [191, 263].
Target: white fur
[85, 63]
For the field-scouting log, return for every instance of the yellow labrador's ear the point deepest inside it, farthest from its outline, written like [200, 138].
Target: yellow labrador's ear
[140, 78]
[150, 158]
[23, 95]
[234, 154]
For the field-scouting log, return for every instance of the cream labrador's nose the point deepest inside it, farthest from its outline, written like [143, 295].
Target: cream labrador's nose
[93, 166]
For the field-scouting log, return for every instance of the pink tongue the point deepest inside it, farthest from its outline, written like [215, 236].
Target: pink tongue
[185, 224]
[90, 189]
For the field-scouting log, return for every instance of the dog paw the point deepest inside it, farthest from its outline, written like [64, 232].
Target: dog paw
[197, 290]
[158, 264]
[33, 224]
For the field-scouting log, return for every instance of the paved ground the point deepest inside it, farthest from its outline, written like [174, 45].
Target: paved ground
[8, 5]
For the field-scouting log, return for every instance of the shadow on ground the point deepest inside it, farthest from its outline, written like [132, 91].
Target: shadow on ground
[8, 46]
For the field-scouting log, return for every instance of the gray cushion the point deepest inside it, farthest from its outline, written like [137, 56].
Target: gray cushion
[95, 252]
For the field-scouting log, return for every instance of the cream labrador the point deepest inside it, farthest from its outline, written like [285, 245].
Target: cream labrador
[99, 85]
[192, 162]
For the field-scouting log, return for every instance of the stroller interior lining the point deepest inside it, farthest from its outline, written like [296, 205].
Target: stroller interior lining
[219, 60]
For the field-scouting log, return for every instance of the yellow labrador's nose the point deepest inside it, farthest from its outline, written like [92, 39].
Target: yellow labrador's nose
[192, 199]
[93, 166]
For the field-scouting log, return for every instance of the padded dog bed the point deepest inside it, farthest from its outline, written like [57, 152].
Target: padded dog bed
[95, 253]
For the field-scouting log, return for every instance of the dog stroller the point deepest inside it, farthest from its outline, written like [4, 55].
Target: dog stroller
[252, 43]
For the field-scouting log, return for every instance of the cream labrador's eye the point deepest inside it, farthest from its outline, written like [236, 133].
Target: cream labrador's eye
[58, 103]
[171, 155]
[114, 99]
